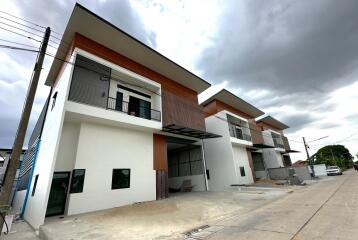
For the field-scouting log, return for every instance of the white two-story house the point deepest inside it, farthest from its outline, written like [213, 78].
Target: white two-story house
[117, 113]
[228, 159]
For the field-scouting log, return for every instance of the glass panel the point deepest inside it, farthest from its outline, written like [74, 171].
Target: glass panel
[78, 178]
[121, 178]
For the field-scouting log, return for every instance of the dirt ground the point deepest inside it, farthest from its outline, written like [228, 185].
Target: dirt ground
[165, 219]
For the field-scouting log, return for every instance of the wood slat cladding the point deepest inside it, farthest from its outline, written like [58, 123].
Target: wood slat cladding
[256, 134]
[160, 159]
[265, 126]
[179, 103]
[180, 111]
[216, 106]
[162, 184]
[286, 144]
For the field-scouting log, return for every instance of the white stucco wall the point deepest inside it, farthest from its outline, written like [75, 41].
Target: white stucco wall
[68, 147]
[18, 201]
[198, 181]
[320, 170]
[242, 160]
[219, 155]
[272, 158]
[100, 150]
[47, 153]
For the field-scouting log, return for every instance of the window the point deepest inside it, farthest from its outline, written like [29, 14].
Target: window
[78, 178]
[1, 163]
[121, 178]
[35, 184]
[242, 171]
[54, 97]
[238, 132]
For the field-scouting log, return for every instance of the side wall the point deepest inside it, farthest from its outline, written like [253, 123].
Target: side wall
[46, 158]
[241, 160]
[219, 155]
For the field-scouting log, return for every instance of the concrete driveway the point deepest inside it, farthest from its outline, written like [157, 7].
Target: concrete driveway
[164, 219]
[326, 210]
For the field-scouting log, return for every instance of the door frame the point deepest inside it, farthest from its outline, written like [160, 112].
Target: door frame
[64, 202]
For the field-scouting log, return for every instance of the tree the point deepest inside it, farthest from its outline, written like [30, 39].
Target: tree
[337, 155]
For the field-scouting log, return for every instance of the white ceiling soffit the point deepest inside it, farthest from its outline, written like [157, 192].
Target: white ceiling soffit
[99, 30]
[273, 122]
[234, 101]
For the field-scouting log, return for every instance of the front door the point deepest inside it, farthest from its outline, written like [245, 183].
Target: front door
[58, 194]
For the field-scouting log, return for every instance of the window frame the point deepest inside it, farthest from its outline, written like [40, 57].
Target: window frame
[129, 178]
[72, 180]
[242, 171]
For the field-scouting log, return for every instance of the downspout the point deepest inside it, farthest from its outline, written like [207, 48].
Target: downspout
[204, 165]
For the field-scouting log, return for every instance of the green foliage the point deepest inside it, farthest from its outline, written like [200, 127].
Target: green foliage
[334, 155]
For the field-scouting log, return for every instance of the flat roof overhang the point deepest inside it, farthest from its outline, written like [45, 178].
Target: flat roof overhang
[188, 132]
[234, 101]
[92, 26]
[273, 122]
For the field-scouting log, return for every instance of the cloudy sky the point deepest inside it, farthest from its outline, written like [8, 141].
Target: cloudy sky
[296, 60]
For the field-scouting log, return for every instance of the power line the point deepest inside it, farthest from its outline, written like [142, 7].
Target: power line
[20, 29]
[28, 37]
[21, 24]
[27, 45]
[18, 48]
[22, 19]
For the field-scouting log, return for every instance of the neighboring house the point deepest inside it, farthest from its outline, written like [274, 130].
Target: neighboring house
[5, 154]
[276, 154]
[228, 159]
[116, 123]
[299, 163]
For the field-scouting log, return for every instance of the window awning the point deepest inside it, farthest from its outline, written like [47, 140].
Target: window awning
[188, 132]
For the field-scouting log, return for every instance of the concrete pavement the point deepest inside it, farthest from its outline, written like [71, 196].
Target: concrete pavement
[326, 210]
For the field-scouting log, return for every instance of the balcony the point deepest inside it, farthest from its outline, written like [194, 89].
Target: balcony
[133, 109]
[112, 88]
[277, 140]
[236, 131]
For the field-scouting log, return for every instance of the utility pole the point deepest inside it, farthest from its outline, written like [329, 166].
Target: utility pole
[308, 157]
[21, 132]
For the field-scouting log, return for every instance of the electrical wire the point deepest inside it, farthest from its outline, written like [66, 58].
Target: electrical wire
[21, 24]
[27, 45]
[23, 19]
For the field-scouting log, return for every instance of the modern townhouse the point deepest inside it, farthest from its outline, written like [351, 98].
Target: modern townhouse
[120, 118]
[276, 154]
[228, 159]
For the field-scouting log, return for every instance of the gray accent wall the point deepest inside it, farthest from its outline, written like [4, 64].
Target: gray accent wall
[90, 83]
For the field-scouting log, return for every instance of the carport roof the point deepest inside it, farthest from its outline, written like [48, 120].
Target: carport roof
[189, 132]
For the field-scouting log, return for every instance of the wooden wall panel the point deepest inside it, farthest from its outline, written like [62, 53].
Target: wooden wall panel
[216, 106]
[256, 133]
[178, 110]
[251, 163]
[160, 160]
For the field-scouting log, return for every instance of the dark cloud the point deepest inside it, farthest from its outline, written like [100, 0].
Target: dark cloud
[297, 120]
[16, 67]
[292, 46]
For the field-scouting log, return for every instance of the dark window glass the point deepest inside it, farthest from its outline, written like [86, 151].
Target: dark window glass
[121, 178]
[78, 178]
[35, 184]
[242, 171]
